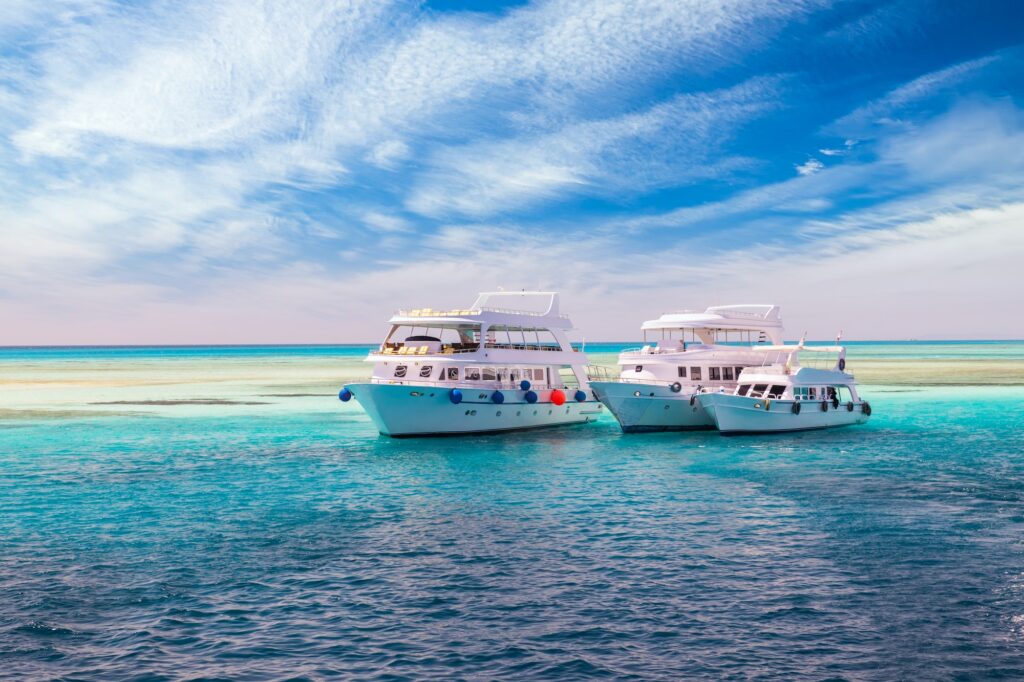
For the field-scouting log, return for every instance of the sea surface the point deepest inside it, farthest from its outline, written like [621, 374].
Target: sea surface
[217, 513]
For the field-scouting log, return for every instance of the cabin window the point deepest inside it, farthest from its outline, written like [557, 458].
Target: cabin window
[453, 374]
[714, 374]
[487, 374]
[812, 393]
[472, 374]
[682, 372]
[425, 371]
[695, 373]
[777, 391]
[727, 374]
[639, 368]
[759, 390]
[742, 390]
[538, 375]
[400, 371]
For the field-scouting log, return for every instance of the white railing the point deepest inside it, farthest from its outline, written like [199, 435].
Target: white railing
[471, 312]
[463, 384]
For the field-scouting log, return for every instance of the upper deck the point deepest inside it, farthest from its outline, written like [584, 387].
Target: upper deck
[762, 320]
[530, 310]
[516, 325]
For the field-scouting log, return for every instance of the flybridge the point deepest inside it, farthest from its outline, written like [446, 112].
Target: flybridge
[529, 303]
[747, 323]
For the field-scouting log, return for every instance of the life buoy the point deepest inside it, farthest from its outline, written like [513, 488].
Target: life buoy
[676, 387]
[849, 406]
[796, 408]
[824, 406]
[866, 407]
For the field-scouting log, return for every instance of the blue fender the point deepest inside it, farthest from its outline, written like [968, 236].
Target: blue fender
[498, 397]
[455, 395]
[344, 395]
[531, 397]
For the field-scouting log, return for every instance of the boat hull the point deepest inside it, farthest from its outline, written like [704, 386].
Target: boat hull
[734, 414]
[656, 408]
[404, 410]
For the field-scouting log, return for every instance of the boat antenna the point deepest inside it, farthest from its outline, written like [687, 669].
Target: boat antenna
[839, 336]
[802, 339]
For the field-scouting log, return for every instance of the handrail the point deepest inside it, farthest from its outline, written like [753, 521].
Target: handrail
[427, 312]
[467, 384]
[450, 350]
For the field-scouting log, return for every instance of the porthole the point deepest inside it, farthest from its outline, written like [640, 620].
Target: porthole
[636, 393]
[499, 413]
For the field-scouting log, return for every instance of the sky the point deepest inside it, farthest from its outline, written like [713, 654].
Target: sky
[251, 171]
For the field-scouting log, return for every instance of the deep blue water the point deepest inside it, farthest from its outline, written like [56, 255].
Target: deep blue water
[302, 545]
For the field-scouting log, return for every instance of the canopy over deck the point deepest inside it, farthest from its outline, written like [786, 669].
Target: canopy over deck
[762, 318]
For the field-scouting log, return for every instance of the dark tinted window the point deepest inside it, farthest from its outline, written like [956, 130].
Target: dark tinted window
[727, 373]
[695, 373]
[743, 389]
[777, 391]
[682, 372]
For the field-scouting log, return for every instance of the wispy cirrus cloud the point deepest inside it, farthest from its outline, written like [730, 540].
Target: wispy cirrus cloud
[672, 141]
[926, 85]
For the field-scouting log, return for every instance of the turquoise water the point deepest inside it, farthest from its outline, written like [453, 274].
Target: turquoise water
[287, 540]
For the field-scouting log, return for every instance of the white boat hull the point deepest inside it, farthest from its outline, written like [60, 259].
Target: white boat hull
[656, 408]
[740, 414]
[403, 410]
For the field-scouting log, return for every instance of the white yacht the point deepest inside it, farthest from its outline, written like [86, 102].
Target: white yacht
[785, 396]
[502, 364]
[658, 384]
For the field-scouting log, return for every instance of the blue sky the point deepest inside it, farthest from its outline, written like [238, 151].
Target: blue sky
[245, 171]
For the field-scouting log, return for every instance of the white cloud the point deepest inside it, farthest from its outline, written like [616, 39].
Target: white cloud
[386, 223]
[672, 141]
[809, 167]
[209, 76]
[860, 119]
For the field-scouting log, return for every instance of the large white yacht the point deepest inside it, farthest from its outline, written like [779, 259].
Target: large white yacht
[657, 385]
[785, 396]
[502, 364]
